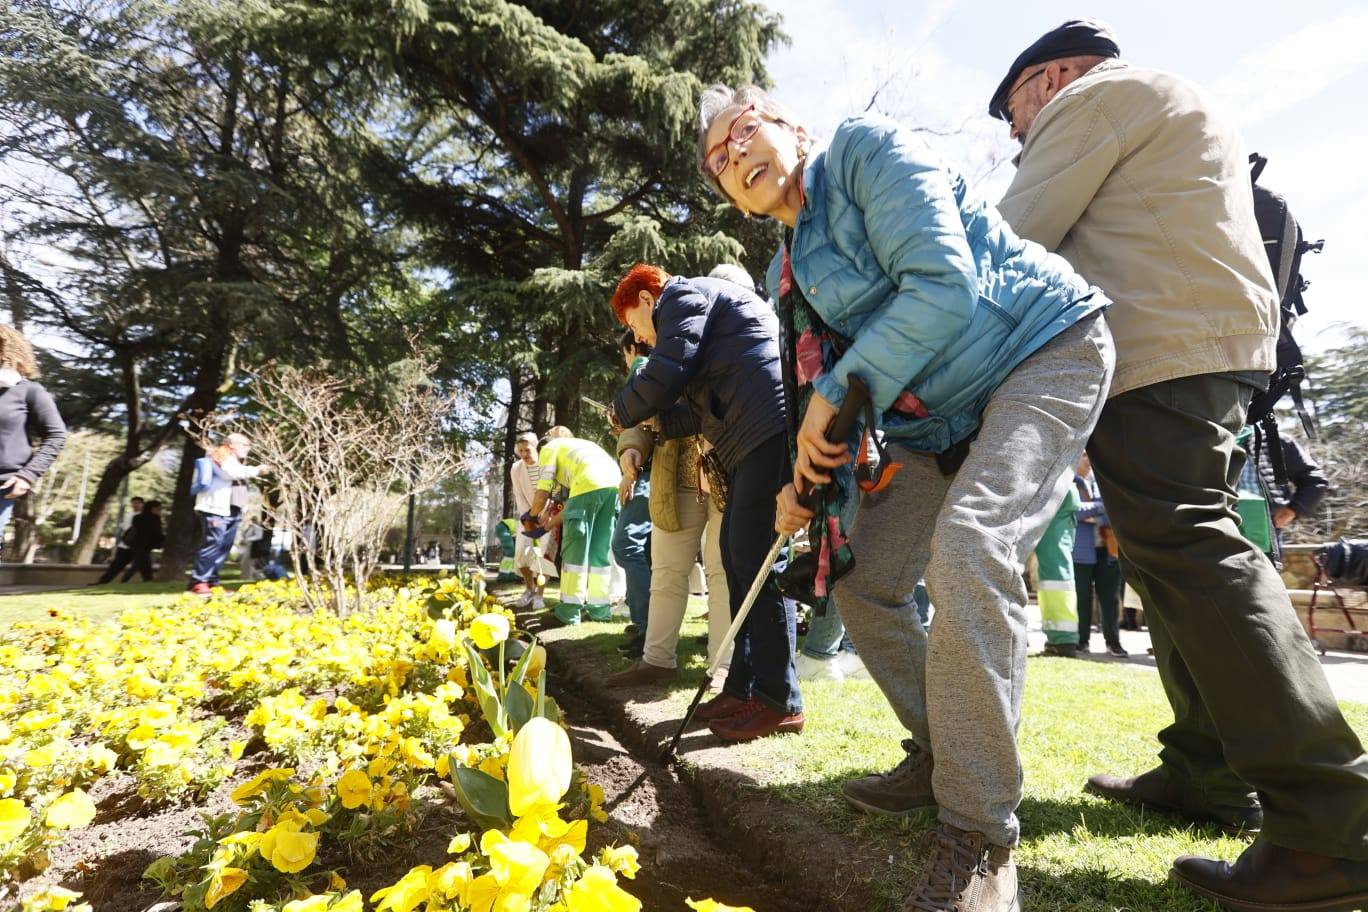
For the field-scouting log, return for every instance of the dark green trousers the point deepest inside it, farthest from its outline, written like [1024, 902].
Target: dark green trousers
[1251, 703]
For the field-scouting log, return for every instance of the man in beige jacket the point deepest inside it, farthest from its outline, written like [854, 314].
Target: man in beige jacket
[1141, 181]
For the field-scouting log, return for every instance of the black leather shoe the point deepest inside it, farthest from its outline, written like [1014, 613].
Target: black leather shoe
[1270, 878]
[1154, 790]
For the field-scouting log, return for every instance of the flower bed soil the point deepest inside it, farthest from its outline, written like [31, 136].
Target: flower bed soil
[647, 806]
[803, 862]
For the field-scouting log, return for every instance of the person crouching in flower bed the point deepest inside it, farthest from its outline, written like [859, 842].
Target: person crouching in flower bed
[988, 361]
[714, 370]
[592, 477]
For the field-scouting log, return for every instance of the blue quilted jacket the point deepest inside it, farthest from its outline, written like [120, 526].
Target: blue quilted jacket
[930, 289]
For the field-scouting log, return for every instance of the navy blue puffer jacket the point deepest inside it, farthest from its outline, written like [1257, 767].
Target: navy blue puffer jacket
[717, 350]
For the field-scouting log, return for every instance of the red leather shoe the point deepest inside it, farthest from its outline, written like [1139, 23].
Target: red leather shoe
[722, 706]
[757, 721]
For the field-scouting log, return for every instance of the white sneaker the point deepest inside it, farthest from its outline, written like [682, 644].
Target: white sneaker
[811, 669]
[852, 666]
[620, 609]
[525, 601]
[538, 603]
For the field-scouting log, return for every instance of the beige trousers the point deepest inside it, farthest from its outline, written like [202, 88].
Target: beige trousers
[672, 560]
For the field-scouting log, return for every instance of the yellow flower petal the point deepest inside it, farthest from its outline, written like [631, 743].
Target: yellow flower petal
[14, 818]
[539, 766]
[71, 811]
[489, 630]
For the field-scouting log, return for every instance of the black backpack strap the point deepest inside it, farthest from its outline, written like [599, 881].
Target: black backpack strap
[1257, 163]
[1269, 425]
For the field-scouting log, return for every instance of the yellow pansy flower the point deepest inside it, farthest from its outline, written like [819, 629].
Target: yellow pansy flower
[71, 811]
[354, 788]
[406, 895]
[459, 843]
[14, 818]
[223, 883]
[622, 859]
[597, 891]
[287, 847]
[259, 783]
[712, 905]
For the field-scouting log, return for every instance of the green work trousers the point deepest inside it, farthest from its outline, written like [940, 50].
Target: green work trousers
[586, 564]
[1251, 703]
[1055, 591]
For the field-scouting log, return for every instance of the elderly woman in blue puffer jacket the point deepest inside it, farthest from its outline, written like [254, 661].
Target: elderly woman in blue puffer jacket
[988, 361]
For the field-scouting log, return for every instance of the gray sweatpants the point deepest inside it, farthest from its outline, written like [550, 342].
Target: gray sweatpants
[959, 691]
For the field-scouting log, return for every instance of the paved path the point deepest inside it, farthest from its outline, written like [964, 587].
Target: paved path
[1347, 671]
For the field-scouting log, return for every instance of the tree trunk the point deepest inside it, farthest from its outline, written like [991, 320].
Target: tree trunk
[511, 430]
[92, 526]
[25, 530]
[541, 407]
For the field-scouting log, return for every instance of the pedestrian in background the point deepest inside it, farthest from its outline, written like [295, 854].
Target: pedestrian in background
[27, 412]
[1097, 565]
[123, 550]
[219, 508]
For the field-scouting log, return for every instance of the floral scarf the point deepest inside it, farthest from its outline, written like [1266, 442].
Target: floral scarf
[809, 349]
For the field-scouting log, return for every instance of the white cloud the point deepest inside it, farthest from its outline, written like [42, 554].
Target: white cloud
[1299, 67]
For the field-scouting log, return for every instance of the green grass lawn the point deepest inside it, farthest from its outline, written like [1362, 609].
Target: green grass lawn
[1078, 852]
[98, 603]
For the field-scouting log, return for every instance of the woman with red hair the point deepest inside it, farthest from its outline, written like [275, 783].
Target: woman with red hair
[714, 370]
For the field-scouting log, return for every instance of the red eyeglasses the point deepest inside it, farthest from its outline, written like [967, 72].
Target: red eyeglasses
[715, 162]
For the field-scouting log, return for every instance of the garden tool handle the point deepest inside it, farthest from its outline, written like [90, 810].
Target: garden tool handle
[856, 396]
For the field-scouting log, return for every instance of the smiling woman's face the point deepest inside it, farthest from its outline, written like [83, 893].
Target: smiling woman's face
[761, 171]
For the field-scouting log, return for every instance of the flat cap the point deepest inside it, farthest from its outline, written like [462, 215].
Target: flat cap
[1075, 38]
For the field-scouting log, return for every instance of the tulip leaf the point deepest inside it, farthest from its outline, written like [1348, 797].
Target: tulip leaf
[551, 711]
[520, 670]
[482, 797]
[490, 704]
[518, 705]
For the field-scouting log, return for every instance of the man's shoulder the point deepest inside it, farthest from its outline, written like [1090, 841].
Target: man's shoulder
[1129, 84]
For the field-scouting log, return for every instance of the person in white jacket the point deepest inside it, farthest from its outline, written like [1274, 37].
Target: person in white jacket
[531, 556]
[219, 508]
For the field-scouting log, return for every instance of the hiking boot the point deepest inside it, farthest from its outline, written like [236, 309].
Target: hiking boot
[903, 790]
[640, 674]
[757, 720]
[965, 873]
[1270, 878]
[722, 706]
[1155, 790]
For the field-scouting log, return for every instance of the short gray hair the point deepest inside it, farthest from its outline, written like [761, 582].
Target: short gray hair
[734, 274]
[528, 438]
[717, 98]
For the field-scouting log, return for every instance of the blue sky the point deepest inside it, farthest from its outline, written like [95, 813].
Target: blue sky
[1294, 74]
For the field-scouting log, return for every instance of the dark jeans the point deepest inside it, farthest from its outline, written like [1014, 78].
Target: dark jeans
[762, 662]
[1103, 577]
[632, 549]
[1250, 700]
[136, 561]
[217, 534]
[122, 557]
